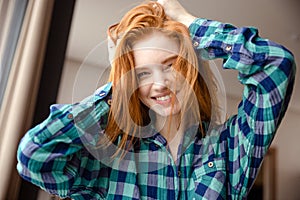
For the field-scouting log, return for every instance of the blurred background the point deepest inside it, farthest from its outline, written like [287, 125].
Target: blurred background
[55, 52]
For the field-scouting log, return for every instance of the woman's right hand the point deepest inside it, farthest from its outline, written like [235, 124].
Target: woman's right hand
[176, 11]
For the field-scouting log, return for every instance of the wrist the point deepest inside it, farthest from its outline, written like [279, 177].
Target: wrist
[187, 19]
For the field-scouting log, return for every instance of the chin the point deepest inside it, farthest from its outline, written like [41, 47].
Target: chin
[165, 112]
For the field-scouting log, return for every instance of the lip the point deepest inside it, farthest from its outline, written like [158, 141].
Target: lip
[161, 95]
[166, 101]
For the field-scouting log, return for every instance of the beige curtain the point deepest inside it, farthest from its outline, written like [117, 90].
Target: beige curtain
[19, 98]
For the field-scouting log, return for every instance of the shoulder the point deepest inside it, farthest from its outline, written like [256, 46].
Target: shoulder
[95, 103]
[104, 90]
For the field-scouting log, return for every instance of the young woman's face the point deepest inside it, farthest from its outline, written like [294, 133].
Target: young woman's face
[159, 84]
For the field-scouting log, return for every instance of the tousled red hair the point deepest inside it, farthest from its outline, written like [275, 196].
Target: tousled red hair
[127, 113]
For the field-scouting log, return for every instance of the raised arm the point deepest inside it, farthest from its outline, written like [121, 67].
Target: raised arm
[53, 154]
[267, 71]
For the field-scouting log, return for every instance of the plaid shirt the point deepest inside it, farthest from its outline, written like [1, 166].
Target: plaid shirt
[58, 154]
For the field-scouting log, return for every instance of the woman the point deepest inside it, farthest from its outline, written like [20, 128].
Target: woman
[145, 134]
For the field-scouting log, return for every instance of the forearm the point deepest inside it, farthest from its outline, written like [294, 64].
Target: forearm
[241, 48]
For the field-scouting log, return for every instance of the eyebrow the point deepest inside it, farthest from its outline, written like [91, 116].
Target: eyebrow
[168, 59]
[172, 57]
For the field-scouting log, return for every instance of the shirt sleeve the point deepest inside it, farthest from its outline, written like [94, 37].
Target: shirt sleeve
[53, 154]
[267, 71]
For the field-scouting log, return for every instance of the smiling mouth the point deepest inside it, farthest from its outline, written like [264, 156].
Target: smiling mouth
[163, 98]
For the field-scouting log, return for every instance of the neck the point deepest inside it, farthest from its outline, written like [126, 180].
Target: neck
[168, 126]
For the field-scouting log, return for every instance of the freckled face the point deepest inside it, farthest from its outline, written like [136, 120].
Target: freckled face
[159, 87]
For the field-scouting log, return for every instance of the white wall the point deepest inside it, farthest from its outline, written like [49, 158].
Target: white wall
[79, 80]
[287, 143]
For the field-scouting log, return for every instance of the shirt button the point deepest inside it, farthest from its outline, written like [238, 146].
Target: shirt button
[102, 94]
[109, 101]
[210, 164]
[179, 173]
[70, 116]
[196, 44]
[228, 48]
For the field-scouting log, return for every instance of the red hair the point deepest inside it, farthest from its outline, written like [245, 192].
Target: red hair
[128, 114]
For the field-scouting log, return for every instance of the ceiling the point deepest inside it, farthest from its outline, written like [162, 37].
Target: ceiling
[277, 20]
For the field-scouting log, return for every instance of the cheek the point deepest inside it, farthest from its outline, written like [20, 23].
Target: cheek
[144, 92]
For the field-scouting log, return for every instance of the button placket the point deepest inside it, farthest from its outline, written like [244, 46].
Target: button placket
[179, 173]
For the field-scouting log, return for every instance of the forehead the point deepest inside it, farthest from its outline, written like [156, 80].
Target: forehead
[154, 48]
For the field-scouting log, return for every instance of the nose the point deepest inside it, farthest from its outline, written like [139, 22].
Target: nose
[161, 80]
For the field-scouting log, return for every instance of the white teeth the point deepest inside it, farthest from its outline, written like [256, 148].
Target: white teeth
[164, 98]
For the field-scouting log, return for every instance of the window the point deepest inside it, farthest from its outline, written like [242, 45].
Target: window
[11, 18]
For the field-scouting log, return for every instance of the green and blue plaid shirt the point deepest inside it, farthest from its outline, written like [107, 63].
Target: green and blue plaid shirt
[59, 155]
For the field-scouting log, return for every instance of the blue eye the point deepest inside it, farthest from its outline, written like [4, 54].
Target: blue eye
[142, 74]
